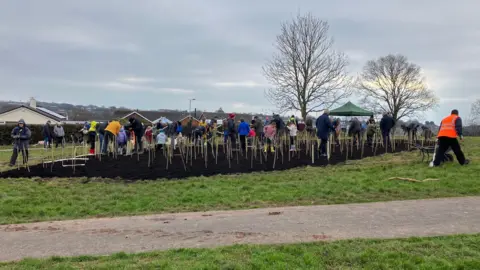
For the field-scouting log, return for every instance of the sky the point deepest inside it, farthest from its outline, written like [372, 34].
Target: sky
[160, 54]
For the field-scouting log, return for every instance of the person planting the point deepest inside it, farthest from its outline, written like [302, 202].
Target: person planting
[232, 131]
[92, 136]
[270, 131]
[243, 130]
[161, 140]
[111, 133]
[324, 126]
[122, 139]
[258, 126]
[137, 128]
[386, 125]
[292, 127]
[448, 134]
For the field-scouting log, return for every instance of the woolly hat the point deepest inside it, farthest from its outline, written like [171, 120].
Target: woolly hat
[232, 115]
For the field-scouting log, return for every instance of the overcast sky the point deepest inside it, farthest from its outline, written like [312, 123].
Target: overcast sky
[158, 54]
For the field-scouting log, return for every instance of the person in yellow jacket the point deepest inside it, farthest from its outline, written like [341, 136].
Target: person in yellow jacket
[203, 123]
[450, 129]
[111, 133]
[92, 136]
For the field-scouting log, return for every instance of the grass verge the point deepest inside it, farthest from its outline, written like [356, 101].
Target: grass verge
[451, 252]
[27, 200]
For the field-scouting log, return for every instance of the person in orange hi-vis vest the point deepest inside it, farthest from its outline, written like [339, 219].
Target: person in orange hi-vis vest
[450, 129]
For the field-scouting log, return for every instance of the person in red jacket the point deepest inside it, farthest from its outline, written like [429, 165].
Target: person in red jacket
[149, 135]
[450, 129]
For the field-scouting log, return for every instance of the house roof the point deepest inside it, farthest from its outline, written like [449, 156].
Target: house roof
[42, 112]
[189, 116]
[51, 113]
[151, 116]
[162, 120]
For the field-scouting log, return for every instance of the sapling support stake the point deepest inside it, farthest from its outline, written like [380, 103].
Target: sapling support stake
[237, 150]
[216, 150]
[363, 146]
[313, 154]
[205, 154]
[328, 147]
[183, 161]
[346, 149]
[275, 156]
[229, 154]
[74, 159]
[167, 155]
[252, 153]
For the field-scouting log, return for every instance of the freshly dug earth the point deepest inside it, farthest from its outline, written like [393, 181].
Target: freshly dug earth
[129, 168]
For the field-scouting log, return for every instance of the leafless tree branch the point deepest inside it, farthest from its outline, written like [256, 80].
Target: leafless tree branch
[307, 74]
[393, 84]
[475, 113]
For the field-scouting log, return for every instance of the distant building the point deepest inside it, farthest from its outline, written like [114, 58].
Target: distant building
[32, 114]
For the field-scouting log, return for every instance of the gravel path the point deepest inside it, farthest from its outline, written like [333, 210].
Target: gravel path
[218, 228]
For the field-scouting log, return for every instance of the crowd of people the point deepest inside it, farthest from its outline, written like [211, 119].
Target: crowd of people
[265, 131]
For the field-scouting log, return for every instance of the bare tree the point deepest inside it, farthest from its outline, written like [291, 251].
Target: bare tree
[475, 113]
[307, 74]
[392, 84]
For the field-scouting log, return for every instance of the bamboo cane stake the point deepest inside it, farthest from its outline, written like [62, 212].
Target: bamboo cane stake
[329, 145]
[74, 159]
[216, 153]
[205, 155]
[363, 146]
[229, 153]
[346, 149]
[313, 154]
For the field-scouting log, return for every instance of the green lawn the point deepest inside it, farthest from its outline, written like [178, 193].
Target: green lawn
[28, 200]
[452, 252]
[38, 154]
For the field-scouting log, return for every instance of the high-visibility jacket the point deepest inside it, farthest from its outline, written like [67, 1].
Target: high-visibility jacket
[93, 126]
[447, 127]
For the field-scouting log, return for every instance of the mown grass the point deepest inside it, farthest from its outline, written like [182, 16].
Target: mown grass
[38, 154]
[452, 252]
[28, 200]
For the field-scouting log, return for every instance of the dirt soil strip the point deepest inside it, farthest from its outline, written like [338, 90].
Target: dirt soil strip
[259, 226]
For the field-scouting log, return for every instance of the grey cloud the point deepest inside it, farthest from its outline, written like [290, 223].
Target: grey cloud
[160, 53]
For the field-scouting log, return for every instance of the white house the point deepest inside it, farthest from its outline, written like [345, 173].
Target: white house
[32, 115]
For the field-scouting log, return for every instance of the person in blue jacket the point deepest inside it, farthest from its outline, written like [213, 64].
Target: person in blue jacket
[179, 128]
[324, 126]
[243, 130]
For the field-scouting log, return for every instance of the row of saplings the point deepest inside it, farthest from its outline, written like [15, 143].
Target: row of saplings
[190, 148]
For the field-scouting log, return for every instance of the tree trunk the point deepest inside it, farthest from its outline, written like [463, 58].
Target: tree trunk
[304, 113]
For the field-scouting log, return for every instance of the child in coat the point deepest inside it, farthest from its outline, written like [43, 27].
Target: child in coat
[270, 131]
[292, 127]
[122, 140]
[161, 139]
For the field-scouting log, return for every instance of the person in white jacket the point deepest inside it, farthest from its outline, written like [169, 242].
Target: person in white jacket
[161, 139]
[293, 134]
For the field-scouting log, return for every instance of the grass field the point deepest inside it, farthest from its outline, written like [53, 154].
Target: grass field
[28, 200]
[452, 252]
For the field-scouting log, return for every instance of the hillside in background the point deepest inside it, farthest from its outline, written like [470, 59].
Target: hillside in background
[93, 112]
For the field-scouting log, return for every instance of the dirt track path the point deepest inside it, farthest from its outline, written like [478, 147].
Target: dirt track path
[210, 229]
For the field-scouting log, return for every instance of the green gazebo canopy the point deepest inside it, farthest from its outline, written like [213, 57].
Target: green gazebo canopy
[350, 109]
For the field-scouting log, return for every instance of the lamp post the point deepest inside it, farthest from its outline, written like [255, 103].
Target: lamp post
[190, 105]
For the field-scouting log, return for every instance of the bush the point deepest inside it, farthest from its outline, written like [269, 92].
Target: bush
[473, 130]
[6, 131]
